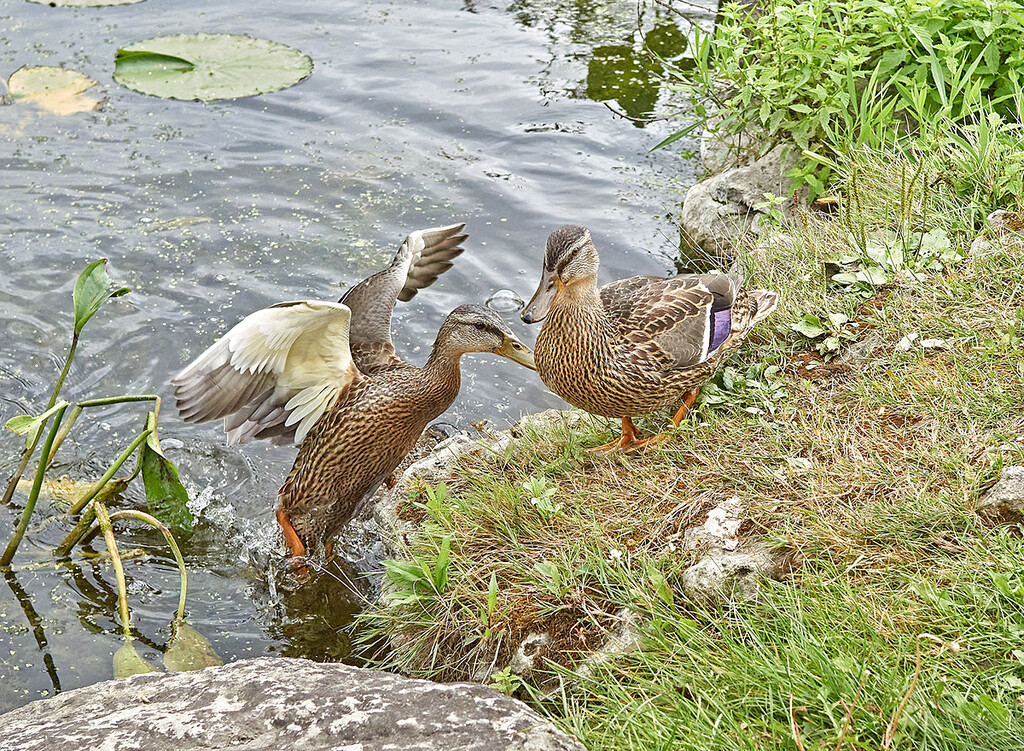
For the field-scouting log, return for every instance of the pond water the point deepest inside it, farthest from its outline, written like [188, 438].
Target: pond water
[417, 114]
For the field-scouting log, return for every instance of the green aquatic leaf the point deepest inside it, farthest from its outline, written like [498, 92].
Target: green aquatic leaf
[29, 426]
[207, 67]
[165, 495]
[189, 650]
[145, 62]
[92, 289]
[127, 661]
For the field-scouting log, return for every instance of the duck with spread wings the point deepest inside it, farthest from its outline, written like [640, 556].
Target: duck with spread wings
[326, 376]
[637, 345]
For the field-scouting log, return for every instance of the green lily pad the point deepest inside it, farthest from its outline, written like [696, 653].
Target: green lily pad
[56, 90]
[206, 67]
[84, 3]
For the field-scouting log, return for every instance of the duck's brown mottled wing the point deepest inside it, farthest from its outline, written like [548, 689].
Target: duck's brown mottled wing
[668, 321]
[273, 375]
[422, 258]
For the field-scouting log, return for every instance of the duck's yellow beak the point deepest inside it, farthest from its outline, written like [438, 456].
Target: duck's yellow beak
[516, 351]
[539, 305]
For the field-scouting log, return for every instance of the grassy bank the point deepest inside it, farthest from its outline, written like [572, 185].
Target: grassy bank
[858, 429]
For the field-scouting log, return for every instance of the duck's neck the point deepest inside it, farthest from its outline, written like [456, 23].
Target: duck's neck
[577, 312]
[580, 294]
[441, 374]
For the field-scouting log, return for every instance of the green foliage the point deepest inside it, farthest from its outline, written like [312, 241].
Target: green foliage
[29, 426]
[853, 73]
[92, 289]
[207, 67]
[541, 493]
[506, 681]
[187, 649]
[758, 390]
[828, 333]
[418, 581]
[165, 495]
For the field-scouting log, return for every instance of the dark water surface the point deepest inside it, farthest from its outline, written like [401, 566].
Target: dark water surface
[417, 114]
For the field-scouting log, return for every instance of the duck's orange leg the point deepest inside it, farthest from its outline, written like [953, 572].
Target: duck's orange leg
[684, 409]
[628, 441]
[291, 538]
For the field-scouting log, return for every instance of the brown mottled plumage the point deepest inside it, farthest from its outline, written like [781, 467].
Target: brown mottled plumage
[327, 376]
[637, 345]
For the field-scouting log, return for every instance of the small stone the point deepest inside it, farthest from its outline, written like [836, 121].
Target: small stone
[1005, 499]
[727, 577]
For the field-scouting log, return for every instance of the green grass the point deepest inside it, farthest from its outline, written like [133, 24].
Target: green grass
[898, 619]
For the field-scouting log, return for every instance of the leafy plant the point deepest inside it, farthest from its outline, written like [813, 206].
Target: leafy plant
[829, 333]
[541, 494]
[418, 581]
[833, 75]
[506, 681]
[758, 390]
[435, 503]
[166, 496]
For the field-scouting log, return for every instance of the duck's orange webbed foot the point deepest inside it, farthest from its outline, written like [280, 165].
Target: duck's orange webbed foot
[628, 442]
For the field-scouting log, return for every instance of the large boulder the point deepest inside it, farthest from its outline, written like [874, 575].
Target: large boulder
[280, 703]
[721, 210]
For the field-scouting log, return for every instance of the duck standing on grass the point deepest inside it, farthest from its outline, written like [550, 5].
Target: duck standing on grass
[637, 345]
[326, 376]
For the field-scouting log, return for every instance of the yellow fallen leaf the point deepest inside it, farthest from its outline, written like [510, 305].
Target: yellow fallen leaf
[55, 90]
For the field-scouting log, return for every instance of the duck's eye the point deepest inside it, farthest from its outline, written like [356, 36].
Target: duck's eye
[480, 326]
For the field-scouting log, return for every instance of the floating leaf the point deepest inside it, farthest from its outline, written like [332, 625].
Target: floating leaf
[92, 289]
[127, 661]
[29, 426]
[189, 650]
[206, 67]
[58, 91]
[165, 495]
[84, 3]
[145, 62]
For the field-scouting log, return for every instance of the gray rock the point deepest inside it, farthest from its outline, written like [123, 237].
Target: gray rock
[728, 576]
[719, 152]
[280, 704]
[719, 212]
[1005, 499]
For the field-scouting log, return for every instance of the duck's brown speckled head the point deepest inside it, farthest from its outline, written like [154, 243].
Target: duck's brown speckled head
[569, 258]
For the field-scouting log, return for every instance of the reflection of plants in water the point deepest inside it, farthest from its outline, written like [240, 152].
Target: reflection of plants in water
[165, 495]
[626, 45]
[632, 76]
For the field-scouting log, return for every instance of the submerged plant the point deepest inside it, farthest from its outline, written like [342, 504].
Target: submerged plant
[165, 495]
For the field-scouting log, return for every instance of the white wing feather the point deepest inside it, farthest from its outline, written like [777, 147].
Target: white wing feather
[273, 375]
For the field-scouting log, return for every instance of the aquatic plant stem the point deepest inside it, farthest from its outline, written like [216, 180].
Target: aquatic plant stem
[85, 521]
[76, 411]
[98, 485]
[166, 532]
[16, 477]
[122, 587]
[33, 496]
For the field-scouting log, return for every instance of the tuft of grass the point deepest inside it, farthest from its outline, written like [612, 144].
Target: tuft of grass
[899, 618]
